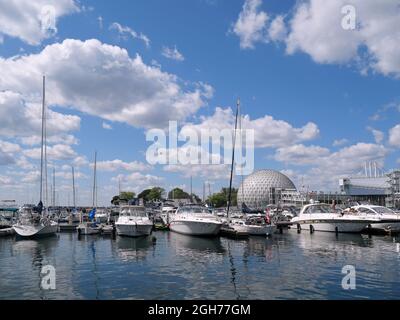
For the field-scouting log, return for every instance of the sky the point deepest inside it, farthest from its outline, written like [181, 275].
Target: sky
[318, 83]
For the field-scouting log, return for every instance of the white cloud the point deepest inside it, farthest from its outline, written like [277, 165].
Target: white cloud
[123, 31]
[277, 30]
[55, 139]
[80, 161]
[394, 136]
[32, 21]
[340, 142]
[21, 119]
[172, 53]
[9, 147]
[326, 167]
[102, 80]
[115, 165]
[301, 154]
[251, 26]
[269, 132]
[5, 180]
[137, 181]
[56, 152]
[106, 126]
[378, 135]
[316, 29]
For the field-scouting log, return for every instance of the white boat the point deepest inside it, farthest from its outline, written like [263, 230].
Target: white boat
[36, 221]
[32, 223]
[390, 220]
[195, 220]
[167, 209]
[102, 216]
[322, 217]
[133, 221]
[6, 232]
[255, 228]
[88, 228]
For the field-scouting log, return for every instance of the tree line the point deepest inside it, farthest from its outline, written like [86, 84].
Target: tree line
[217, 200]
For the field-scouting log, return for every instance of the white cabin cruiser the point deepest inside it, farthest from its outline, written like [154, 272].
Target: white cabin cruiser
[133, 221]
[32, 223]
[322, 217]
[253, 226]
[195, 220]
[390, 220]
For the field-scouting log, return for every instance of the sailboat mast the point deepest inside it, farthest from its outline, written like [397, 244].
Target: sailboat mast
[42, 143]
[54, 187]
[73, 186]
[233, 160]
[94, 179]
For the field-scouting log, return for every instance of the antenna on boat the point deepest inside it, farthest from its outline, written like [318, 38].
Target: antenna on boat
[233, 159]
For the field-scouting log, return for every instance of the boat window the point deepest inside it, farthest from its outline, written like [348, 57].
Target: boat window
[318, 209]
[133, 212]
[195, 210]
[383, 210]
[366, 210]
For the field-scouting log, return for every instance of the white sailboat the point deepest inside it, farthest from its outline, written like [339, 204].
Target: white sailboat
[89, 227]
[35, 221]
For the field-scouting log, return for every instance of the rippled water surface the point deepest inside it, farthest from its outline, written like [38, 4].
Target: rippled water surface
[172, 266]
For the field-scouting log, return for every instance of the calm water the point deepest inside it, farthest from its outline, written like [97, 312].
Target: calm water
[288, 266]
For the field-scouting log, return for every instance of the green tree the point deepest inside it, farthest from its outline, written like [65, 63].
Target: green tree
[124, 196]
[220, 199]
[178, 193]
[155, 193]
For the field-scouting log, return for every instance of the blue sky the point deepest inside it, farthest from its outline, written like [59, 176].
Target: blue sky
[322, 100]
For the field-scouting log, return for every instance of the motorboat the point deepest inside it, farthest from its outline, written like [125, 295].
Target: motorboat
[102, 216]
[88, 228]
[323, 217]
[33, 222]
[195, 220]
[133, 221]
[167, 209]
[390, 220]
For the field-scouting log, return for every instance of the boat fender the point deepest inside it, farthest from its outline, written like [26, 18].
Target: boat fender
[298, 228]
[311, 228]
[336, 230]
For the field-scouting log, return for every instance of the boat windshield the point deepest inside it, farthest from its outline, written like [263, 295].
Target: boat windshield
[195, 210]
[319, 208]
[133, 212]
[383, 210]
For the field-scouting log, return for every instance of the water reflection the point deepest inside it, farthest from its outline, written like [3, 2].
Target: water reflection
[134, 249]
[196, 244]
[286, 266]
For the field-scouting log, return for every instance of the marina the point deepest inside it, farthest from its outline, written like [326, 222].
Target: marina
[175, 266]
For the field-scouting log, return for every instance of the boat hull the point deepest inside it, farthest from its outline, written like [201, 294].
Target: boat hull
[386, 226]
[26, 231]
[195, 228]
[334, 226]
[134, 230]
